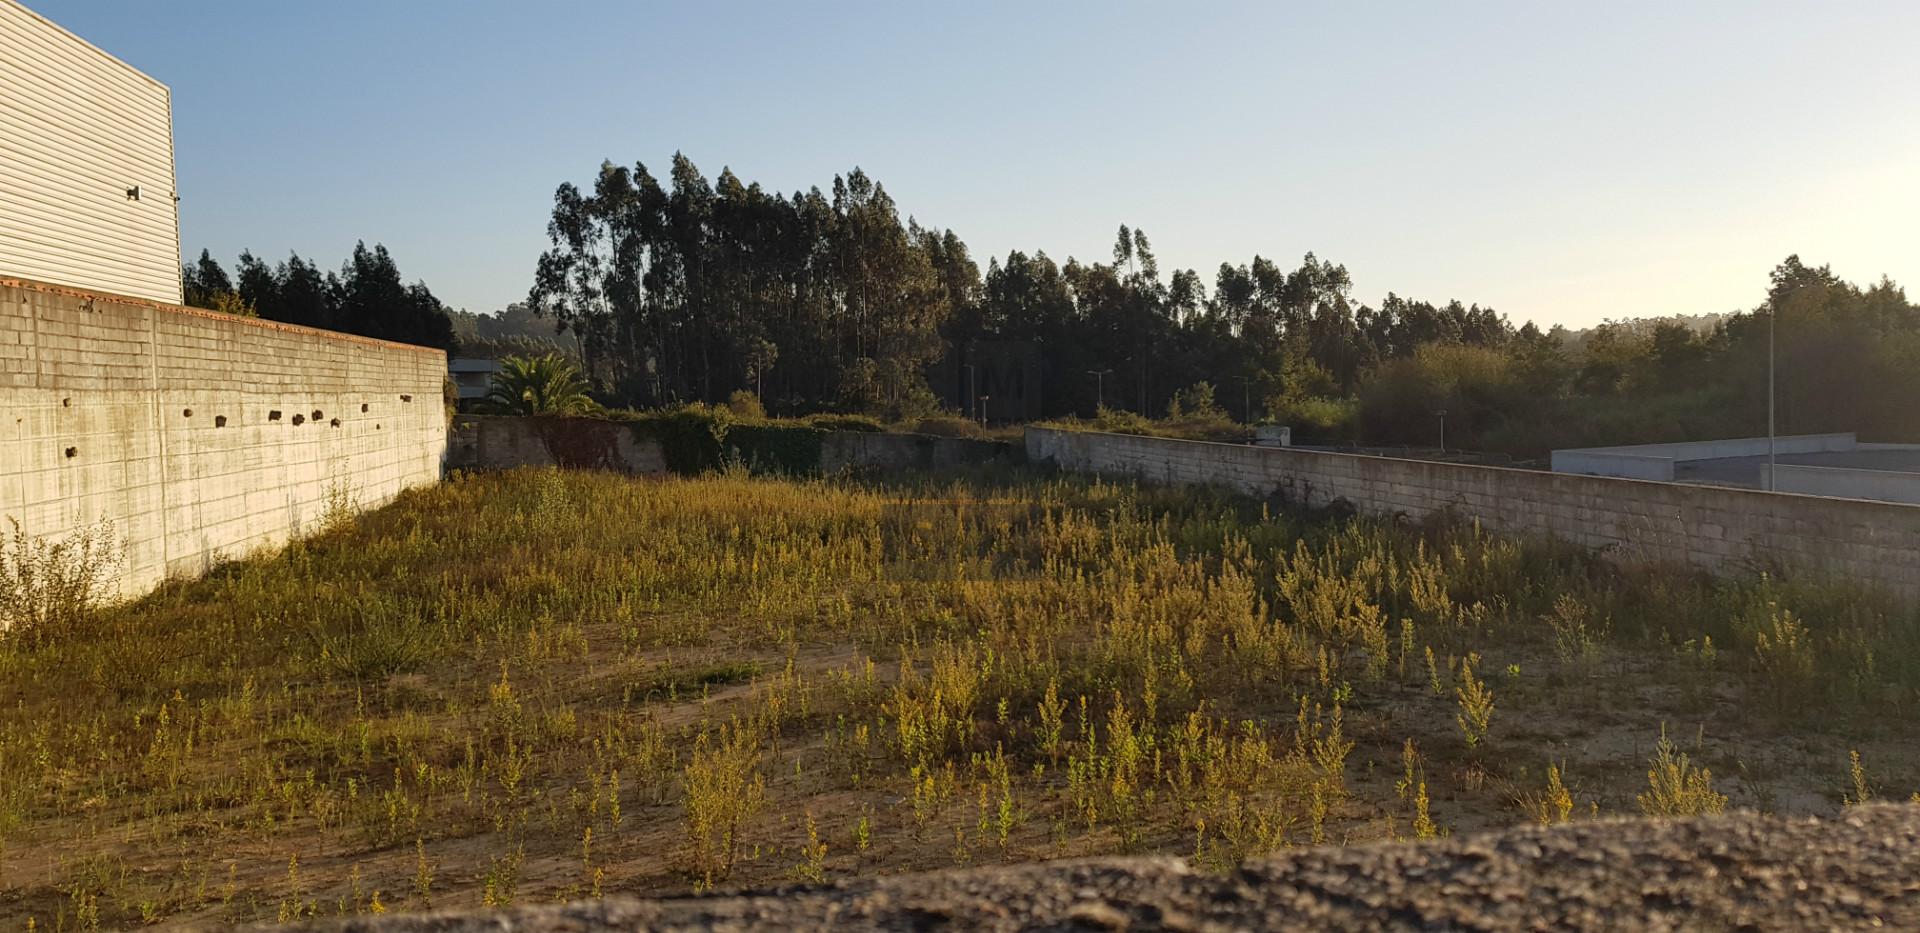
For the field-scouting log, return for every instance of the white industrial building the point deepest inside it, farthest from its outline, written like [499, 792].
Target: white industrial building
[1835, 465]
[87, 196]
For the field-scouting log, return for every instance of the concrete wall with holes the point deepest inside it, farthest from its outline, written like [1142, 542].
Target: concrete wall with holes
[1716, 528]
[199, 437]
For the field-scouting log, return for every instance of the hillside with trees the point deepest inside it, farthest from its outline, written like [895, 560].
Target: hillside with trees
[513, 331]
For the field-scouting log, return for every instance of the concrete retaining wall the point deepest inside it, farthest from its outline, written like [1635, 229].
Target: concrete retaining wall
[1879, 485]
[1655, 461]
[199, 436]
[1737, 447]
[1877, 543]
[1604, 463]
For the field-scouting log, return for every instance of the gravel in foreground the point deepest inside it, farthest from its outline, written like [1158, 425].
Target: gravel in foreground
[1737, 872]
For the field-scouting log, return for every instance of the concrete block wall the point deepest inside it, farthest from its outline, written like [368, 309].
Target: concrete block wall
[1656, 461]
[201, 437]
[503, 442]
[1609, 463]
[1876, 543]
[1881, 485]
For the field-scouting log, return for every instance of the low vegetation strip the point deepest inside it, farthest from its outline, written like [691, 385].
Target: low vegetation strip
[538, 685]
[1740, 872]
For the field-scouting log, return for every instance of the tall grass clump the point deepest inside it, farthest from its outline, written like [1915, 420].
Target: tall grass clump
[1675, 787]
[48, 587]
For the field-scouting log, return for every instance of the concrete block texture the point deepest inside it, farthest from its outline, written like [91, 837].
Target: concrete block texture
[1722, 529]
[201, 437]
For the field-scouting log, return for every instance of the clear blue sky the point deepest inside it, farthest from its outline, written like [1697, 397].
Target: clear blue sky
[1562, 162]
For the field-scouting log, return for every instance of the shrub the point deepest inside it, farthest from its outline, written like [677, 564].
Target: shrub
[746, 406]
[1783, 656]
[49, 587]
[725, 790]
[833, 422]
[1121, 421]
[792, 449]
[1476, 703]
[1196, 403]
[1116, 421]
[1316, 419]
[947, 426]
[1477, 387]
[377, 640]
[691, 437]
[232, 303]
[1675, 787]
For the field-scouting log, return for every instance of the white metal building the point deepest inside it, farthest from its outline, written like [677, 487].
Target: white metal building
[472, 377]
[86, 165]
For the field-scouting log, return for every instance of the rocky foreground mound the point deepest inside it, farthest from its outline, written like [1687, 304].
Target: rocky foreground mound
[1736, 872]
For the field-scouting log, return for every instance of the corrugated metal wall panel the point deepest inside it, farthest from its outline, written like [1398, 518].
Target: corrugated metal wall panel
[79, 127]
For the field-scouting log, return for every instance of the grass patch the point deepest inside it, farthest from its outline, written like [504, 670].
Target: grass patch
[534, 685]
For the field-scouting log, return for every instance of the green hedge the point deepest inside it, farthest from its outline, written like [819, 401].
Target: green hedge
[698, 439]
[776, 448]
[846, 423]
[690, 438]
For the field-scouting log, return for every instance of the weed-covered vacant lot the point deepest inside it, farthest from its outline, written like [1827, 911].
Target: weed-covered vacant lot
[537, 685]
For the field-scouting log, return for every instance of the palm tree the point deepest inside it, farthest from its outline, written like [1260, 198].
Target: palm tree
[540, 385]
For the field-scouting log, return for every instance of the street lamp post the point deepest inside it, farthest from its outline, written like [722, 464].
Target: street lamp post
[1443, 429]
[1099, 388]
[1246, 399]
[1771, 482]
[983, 411]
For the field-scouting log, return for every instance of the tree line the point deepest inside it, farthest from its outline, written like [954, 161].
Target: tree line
[685, 290]
[677, 290]
[367, 296]
[689, 290]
